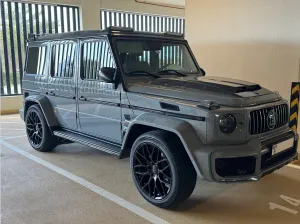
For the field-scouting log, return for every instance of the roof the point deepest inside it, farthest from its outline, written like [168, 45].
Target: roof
[114, 31]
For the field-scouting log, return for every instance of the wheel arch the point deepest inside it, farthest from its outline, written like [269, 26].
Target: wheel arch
[178, 127]
[46, 107]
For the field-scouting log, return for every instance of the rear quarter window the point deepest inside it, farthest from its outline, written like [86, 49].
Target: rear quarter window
[36, 60]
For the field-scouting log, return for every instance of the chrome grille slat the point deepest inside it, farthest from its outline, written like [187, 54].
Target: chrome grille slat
[264, 120]
[258, 119]
[280, 115]
[276, 112]
[261, 121]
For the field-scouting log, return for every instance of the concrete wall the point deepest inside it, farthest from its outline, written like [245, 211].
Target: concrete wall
[247, 39]
[90, 15]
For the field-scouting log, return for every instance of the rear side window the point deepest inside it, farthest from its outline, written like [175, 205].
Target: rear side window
[36, 60]
[95, 54]
[63, 60]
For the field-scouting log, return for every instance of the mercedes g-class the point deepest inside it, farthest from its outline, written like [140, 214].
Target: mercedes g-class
[143, 95]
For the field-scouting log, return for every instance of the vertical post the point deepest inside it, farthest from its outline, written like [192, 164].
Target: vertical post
[50, 18]
[294, 105]
[43, 19]
[62, 22]
[68, 19]
[55, 20]
[5, 48]
[37, 19]
[12, 47]
[19, 41]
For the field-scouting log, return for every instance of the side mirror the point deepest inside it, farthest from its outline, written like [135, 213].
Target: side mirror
[202, 71]
[107, 74]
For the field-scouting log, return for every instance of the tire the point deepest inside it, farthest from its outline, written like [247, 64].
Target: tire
[171, 179]
[37, 130]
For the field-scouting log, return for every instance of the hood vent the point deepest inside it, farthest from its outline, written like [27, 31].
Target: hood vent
[208, 85]
[168, 106]
[248, 88]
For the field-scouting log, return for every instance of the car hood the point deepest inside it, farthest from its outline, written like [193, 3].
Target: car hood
[224, 91]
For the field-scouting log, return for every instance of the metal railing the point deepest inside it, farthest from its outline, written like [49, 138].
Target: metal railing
[141, 21]
[17, 20]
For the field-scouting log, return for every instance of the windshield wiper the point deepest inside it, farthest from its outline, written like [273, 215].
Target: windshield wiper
[144, 72]
[172, 70]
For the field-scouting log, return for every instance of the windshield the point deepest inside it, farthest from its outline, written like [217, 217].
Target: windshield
[161, 57]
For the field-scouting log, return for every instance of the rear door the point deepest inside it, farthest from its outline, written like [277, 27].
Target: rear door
[99, 109]
[62, 82]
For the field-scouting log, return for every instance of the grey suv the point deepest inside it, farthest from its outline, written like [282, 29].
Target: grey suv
[143, 95]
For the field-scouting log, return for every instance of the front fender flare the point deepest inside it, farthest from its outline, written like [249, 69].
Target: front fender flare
[45, 106]
[183, 129]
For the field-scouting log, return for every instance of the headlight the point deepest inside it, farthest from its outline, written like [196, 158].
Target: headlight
[227, 123]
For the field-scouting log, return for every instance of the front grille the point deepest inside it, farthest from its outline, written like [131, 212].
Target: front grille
[226, 167]
[260, 120]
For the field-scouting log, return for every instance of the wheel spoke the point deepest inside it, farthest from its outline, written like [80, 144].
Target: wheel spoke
[139, 165]
[161, 186]
[148, 153]
[158, 188]
[162, 170]
[157, 156]
[152, 152]
[141, 173]
[162, 160]
[166, 183]
[146, 182]
[30, 136]
[40, 136]
[135, 156]
[30, 119]
[166, 176]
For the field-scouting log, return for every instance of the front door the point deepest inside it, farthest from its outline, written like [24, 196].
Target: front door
[98, 101]
[62, 82]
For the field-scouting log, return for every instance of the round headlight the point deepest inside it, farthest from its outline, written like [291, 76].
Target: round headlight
[227, 123]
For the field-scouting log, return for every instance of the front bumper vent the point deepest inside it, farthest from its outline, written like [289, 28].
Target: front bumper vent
[229, 167]
[267, 119]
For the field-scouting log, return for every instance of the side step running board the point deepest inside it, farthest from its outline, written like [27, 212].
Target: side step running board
[97, 144]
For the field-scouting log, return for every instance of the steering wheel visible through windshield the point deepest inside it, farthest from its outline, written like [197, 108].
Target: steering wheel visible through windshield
[155, 57]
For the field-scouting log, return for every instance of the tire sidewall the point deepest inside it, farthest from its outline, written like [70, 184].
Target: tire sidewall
[164, 148]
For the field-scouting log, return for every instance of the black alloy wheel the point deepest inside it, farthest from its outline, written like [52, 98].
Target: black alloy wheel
[34, 129]
[38, 132]
[152, 171]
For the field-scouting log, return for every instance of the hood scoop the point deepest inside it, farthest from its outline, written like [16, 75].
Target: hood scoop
[209, 84]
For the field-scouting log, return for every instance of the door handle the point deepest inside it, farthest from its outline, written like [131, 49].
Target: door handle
[51, 93]
[74, 97]
[82, 98]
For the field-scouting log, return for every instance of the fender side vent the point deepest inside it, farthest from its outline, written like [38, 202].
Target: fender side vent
[168, 106]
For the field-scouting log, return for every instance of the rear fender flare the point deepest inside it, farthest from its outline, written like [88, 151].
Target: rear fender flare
[45, 106]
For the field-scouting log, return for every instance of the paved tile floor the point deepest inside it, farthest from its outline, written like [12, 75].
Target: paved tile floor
[34, 194]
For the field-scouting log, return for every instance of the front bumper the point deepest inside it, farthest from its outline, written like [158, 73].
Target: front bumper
[250, 161]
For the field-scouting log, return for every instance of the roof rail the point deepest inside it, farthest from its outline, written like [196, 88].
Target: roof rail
[167, 33]
[118, 29]
[34, 36]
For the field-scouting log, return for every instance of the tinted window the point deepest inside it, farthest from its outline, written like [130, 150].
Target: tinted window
[94, 56]
[154, 56]
[36, 60]
[63, 58]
